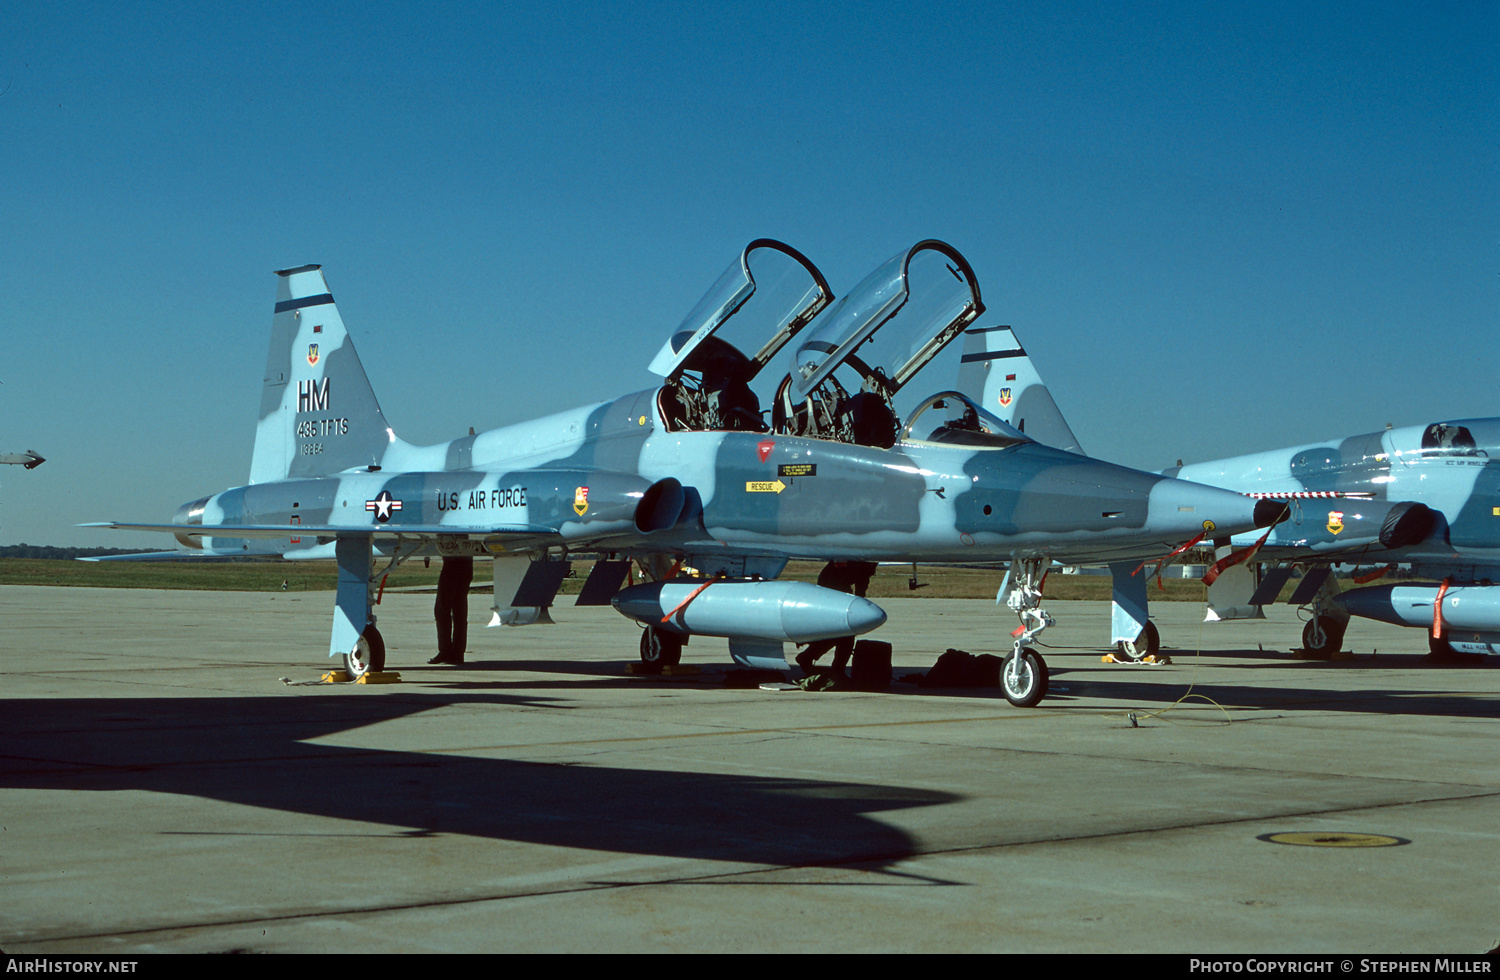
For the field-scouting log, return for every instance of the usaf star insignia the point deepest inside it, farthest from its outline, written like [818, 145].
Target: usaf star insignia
[383, 506]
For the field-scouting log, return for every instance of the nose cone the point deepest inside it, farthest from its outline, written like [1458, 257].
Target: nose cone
[1180, 510]
[864, 616]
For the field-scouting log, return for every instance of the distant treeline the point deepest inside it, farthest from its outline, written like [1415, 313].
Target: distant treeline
[47, 551]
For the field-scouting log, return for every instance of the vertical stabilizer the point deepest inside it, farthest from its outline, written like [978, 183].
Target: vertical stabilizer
[318, 414]
[997, 373]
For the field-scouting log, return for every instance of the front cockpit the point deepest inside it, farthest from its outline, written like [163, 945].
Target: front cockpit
[771, 291]
[918, 302]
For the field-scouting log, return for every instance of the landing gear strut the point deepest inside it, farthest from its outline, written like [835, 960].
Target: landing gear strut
[1023, 675]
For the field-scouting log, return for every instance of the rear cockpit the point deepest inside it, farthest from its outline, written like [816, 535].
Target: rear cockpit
[919, 301]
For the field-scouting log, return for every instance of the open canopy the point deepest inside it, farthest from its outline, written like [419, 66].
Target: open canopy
[765, 297]
[919, 300]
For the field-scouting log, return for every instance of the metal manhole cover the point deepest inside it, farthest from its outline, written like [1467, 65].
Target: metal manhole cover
[1337, 838]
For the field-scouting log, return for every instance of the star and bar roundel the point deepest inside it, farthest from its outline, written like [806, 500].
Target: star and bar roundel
[383, 506]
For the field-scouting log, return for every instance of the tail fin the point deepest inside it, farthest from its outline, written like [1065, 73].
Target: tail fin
[996, 372]
[318, 414]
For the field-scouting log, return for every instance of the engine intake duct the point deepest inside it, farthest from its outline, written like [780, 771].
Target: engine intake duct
[1269, 512]
[1407, 523]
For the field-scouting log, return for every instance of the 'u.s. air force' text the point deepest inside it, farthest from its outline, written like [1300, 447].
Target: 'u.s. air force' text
[483, 499]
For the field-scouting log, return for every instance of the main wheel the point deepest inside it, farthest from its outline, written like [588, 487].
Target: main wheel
[1148, 644]
[660, 648]
[1023, 678]
[1322, 636]
[368, 654]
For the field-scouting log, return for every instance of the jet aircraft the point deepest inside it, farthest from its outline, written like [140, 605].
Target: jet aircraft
[1424, 496]
[28, 459]
[691, 475]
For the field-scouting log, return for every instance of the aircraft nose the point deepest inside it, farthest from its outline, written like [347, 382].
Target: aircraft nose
[1186, 509]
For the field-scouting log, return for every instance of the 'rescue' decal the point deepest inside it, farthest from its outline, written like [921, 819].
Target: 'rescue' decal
[764, 486]
[383, 506]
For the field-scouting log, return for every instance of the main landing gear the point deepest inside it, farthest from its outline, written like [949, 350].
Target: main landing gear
[1148, 644]
[1023, 675]
[1323, 636]
[660, 648]
[368, 654]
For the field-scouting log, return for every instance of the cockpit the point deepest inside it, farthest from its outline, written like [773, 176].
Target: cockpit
[880, 335]
[771, 290]
[954, 419]
[1454, 439]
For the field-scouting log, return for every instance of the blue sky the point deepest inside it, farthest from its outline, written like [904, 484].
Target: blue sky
[1218, 227]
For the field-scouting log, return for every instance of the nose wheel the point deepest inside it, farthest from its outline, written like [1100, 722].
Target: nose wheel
[1023, 678]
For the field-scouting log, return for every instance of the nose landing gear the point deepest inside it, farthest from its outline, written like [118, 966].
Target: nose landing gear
[1023, 675]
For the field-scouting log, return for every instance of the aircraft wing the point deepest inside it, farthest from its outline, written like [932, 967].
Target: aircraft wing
[204, 555]
[497, 537]
[332, 530]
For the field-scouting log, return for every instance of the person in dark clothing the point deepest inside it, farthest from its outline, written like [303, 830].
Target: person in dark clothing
[452, 610]
[844, 576]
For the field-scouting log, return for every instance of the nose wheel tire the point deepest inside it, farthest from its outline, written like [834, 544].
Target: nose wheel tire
[660, 648]
[368, 654]
[1148, 644]
[1023, 678]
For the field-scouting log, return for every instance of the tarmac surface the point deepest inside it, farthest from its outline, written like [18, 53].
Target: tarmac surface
[169, 783]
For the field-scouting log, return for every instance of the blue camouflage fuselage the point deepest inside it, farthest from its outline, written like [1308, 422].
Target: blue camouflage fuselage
[576, 479]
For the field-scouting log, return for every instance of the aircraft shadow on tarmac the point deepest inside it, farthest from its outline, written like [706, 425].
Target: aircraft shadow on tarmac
[1071, 683]
[253, 752]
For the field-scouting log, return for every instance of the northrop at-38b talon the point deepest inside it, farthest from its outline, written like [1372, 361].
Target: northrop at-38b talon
[693, 475]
